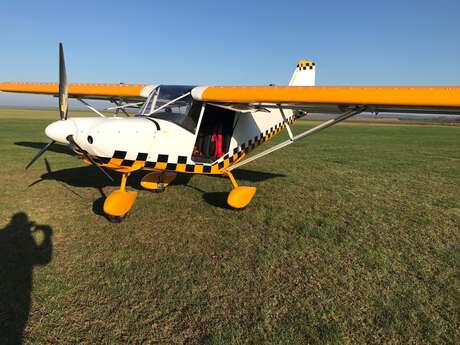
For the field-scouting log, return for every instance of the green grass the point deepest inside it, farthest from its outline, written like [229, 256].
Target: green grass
[353, 237]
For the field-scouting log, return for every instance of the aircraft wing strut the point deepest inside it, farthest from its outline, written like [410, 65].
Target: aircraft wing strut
[300, 136]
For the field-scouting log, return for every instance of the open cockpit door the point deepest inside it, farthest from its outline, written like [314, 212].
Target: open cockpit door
[214, 134]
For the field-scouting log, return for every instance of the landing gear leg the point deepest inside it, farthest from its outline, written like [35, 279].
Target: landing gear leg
[240, 196]
[119, 202]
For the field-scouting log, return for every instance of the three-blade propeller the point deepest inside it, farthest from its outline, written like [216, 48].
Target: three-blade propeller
[63, 112]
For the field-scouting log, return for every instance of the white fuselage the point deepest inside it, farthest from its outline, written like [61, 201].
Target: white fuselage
[151, 140]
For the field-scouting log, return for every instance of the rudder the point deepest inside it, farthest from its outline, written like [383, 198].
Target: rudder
[304, 74]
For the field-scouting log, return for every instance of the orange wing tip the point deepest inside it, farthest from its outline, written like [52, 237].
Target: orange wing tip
[23, 87]
[115, 90]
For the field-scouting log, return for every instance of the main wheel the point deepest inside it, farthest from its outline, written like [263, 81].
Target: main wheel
[116, 219]
[159, 189]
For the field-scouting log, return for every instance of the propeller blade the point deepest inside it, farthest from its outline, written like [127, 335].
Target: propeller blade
[88, 157]
[42, 151]
[48, 166]
[63, 87]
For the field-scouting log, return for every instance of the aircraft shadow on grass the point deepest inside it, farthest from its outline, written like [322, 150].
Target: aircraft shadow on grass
[58, 148]
[89, 177]
[19, 254]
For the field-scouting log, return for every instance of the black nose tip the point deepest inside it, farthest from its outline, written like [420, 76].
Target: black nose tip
[90, 139]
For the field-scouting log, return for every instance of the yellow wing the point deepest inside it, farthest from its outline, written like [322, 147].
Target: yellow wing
[131, 92]
[419, 99]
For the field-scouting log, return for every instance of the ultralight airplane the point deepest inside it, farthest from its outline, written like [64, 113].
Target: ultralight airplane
[208, 129]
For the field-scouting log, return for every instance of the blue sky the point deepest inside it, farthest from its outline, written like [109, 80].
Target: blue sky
[232, 42]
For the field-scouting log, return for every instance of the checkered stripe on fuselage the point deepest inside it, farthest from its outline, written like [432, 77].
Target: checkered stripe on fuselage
[239, 152]
[179, 164]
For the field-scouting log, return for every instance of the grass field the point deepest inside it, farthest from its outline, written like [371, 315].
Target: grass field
[353, 237]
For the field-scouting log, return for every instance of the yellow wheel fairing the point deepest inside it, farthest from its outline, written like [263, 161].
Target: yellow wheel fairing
[240, 197]
[157, 180]
[119, 202]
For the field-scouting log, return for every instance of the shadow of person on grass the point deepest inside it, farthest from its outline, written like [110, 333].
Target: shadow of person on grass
[19, 253]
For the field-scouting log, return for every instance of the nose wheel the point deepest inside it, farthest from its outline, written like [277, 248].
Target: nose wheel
[119, 202]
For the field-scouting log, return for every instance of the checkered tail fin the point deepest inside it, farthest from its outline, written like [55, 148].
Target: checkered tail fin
[304, 74]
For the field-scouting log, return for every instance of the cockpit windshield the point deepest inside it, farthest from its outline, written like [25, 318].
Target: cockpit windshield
[173, 103]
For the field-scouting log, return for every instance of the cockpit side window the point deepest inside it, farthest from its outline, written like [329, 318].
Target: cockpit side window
[185, 114]
[175, 104]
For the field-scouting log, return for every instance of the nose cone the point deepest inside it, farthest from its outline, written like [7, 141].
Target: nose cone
[60, 130]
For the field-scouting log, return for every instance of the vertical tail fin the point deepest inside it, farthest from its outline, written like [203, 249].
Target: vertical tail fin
[304, 74]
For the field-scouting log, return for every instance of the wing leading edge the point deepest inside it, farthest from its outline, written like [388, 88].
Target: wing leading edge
[92, 91]
[418, 99]
[442, 99]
